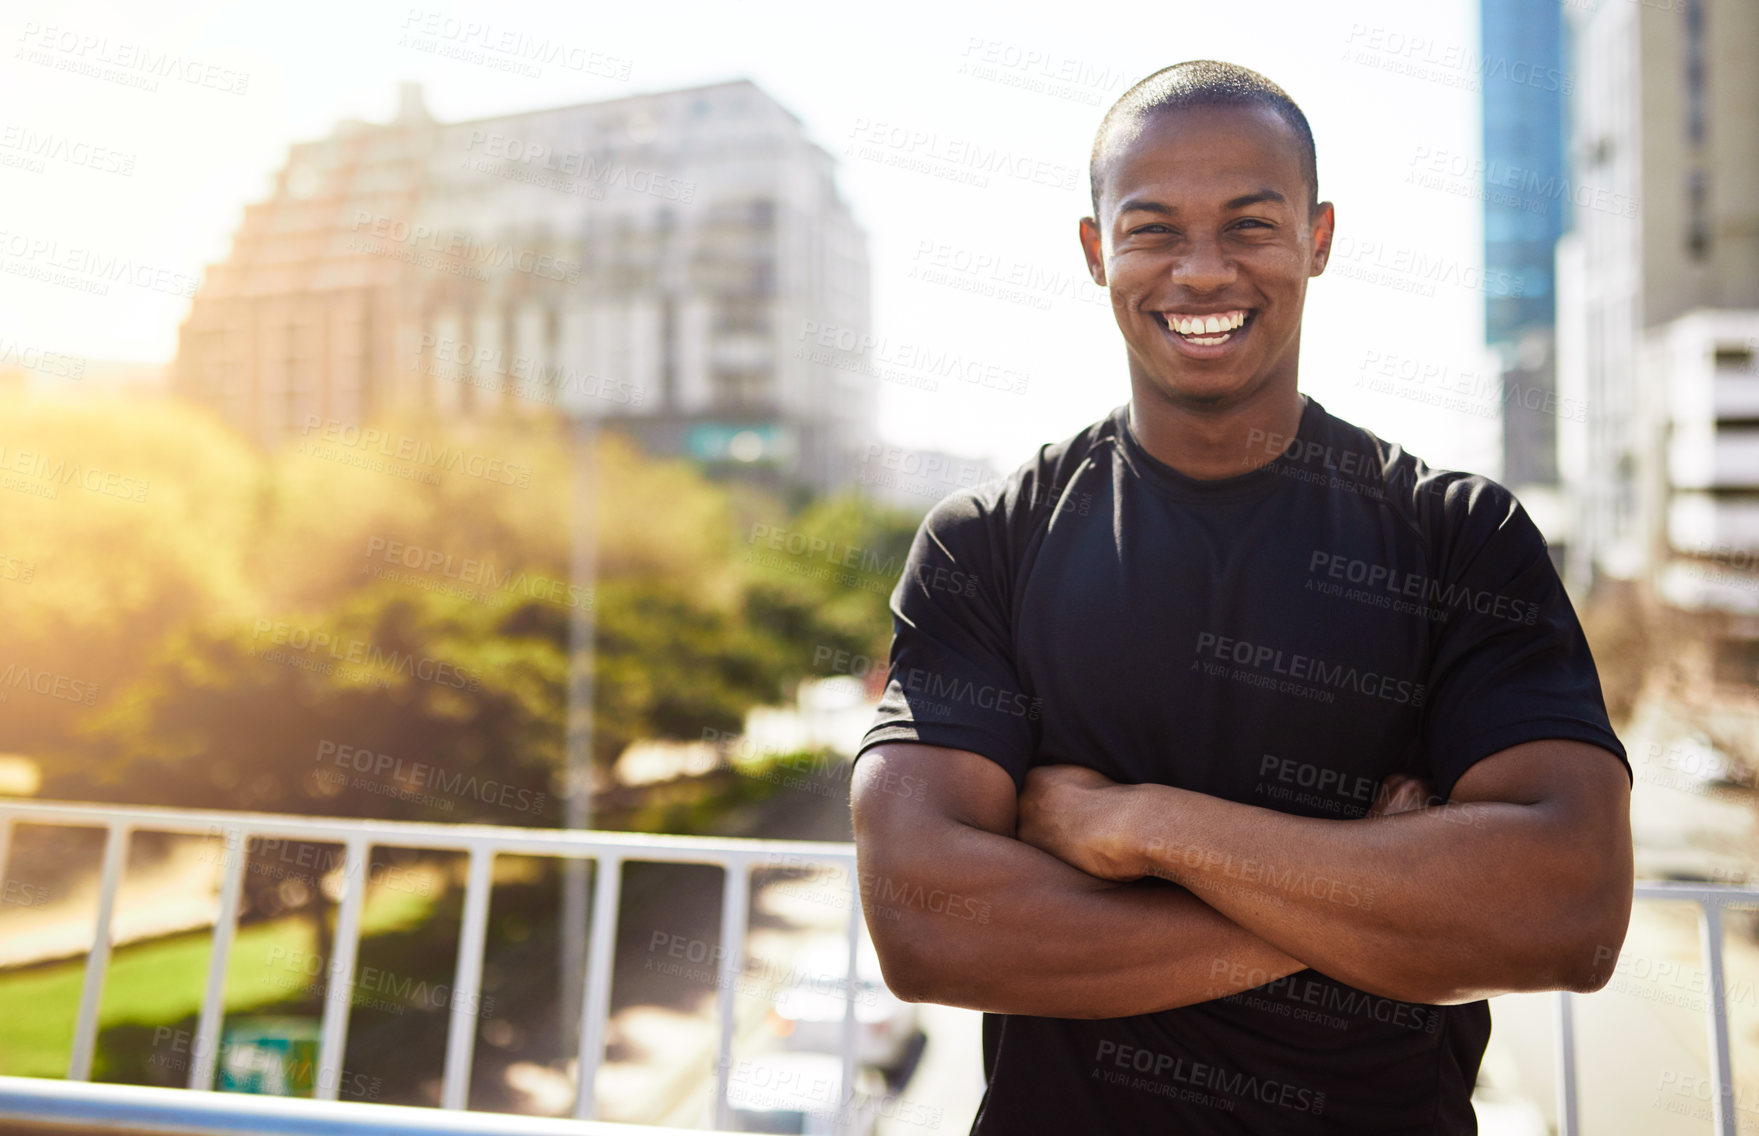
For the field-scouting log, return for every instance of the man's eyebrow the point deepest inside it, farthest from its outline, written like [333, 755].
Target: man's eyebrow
[1144, 205]
[1254, 198]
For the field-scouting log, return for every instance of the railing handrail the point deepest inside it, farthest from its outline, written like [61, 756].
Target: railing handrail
[52, 1104]
[737, 856]
[439, 835]
[1685, 892]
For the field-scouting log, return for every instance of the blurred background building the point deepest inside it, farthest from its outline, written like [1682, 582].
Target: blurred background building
[1658, 313]
[1524, 215]
[663, 260]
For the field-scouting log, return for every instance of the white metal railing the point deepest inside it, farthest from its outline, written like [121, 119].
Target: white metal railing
[1711, 900]
[609, 850]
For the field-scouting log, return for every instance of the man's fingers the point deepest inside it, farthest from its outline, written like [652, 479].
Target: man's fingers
[1400, 793]
[1384, 794]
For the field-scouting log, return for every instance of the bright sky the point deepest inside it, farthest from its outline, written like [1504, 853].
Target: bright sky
[1388, 87]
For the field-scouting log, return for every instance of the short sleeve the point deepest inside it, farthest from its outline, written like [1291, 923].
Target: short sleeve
[1510, 663]
[952, 679]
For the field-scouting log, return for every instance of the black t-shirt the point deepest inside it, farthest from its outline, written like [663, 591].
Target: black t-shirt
[1285, 638]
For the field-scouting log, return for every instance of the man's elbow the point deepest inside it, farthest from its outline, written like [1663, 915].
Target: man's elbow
[924, 960]
[903, 969]
[1577, 952]
[1588, 965]
[1583, 961]
[911, 957]
[917, 970]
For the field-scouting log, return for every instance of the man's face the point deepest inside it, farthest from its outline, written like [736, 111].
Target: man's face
[1205, 215]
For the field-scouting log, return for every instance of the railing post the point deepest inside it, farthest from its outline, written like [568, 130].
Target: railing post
[204, 1052]
[847, 1107]
[1566, 1064]
[1722, 1106]
[339, 989]
[595, 1010]
[735, 911]
[85, 1029]
[467, 982]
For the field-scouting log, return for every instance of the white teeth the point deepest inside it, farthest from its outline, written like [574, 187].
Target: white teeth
[1206, 325]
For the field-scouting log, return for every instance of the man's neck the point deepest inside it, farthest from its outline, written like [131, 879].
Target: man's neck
[1210, 444]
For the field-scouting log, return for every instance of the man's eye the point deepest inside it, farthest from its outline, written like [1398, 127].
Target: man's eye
[1255, 221]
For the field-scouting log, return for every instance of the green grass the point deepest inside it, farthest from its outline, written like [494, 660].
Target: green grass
[160, 982]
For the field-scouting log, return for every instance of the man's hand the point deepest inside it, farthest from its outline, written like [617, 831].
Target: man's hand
[1080, 816]
[1401, 793]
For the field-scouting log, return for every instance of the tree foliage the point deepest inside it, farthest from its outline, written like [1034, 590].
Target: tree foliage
[379, 625]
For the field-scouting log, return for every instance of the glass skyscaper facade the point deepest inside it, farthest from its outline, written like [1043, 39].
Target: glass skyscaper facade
[1526, 84]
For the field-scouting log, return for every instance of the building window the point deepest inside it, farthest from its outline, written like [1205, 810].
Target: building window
[1698, 214]
[741, 314]
[1736, 357]
[1695, 70]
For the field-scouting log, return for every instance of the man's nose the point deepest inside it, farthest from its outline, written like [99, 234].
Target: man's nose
[1203, 267]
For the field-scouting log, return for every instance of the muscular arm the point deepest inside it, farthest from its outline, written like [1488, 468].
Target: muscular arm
[1521, 882]
[964, 914]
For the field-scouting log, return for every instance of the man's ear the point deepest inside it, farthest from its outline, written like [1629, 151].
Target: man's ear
[1324, 222]
[1093, 249]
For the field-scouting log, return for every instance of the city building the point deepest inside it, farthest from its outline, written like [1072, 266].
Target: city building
[661, 260]
[1526, 209]
[1658, 292]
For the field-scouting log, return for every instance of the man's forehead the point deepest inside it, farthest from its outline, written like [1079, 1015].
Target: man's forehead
[1165, 182]
[1218, 151]
[1164, 136]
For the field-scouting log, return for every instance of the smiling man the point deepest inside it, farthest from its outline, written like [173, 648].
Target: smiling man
[1261, 753]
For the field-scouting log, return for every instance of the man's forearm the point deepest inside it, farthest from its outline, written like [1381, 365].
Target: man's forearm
[1442, 904]
[987, 922]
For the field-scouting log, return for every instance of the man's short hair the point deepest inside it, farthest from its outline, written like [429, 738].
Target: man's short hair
[1197, 83]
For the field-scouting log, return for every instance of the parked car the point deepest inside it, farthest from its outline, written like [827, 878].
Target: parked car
[801, 1093]
[808, 1014]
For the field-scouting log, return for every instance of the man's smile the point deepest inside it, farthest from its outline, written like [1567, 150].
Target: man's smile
[1206, 335]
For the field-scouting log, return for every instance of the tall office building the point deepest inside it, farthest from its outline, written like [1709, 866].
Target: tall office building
[1526, 210]
[1659, 307]
[660, 260]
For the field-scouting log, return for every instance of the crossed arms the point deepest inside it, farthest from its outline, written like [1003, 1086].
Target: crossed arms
[1084, 898]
